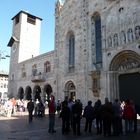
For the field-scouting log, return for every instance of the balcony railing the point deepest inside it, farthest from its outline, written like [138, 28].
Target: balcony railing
[39, 77]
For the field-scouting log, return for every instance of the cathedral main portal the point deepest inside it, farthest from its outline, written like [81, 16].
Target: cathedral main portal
[125, 76]
[129, 87]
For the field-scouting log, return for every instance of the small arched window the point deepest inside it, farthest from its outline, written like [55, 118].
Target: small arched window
[1, 85]
[47, 66]
[137, 32]
[34, 70]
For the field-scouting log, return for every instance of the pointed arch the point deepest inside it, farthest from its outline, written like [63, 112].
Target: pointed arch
[47, 66]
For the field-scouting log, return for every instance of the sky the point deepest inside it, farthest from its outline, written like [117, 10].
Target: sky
[40, 8]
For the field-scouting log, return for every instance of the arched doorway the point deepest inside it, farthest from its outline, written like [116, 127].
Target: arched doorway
[21, 93]
[125, 76]
[36, 92]
[129, 87]
[47, 91]
[70, 90]
[28, 92]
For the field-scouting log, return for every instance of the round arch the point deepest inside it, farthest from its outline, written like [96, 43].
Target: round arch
[48, 91]
[21, 93]
[70, 90]
[125, 60]
[124, 65]
[28, 93]
[36, 92]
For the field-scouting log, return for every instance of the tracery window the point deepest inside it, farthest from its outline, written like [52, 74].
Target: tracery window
[137, 32]
[47, 66]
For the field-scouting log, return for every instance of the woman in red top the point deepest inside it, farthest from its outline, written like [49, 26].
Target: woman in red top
[128, 116]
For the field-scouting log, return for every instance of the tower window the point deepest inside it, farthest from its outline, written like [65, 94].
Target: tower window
[17, 19]
[31, 19]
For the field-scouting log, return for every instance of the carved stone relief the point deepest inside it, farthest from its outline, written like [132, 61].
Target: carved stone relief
[128, 64]
[96, 83]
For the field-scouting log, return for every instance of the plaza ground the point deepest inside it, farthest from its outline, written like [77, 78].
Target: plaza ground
[17, 128]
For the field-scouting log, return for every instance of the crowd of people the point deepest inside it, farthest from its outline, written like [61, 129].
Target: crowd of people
[11, 107]
[111, 118]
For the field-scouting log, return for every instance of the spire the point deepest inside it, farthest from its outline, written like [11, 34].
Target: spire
[58, 6]
[61, 2]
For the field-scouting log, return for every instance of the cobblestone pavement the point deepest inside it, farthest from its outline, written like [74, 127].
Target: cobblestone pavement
[17, 128]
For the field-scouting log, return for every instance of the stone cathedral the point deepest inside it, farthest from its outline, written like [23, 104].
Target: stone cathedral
[96, 52]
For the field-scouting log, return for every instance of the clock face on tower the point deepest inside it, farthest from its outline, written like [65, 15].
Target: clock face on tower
[14, 47]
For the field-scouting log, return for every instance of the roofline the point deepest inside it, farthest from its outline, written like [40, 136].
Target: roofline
[4, 75]
[27, 14]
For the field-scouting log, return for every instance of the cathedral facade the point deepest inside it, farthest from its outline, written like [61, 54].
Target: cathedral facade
[96, 52]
